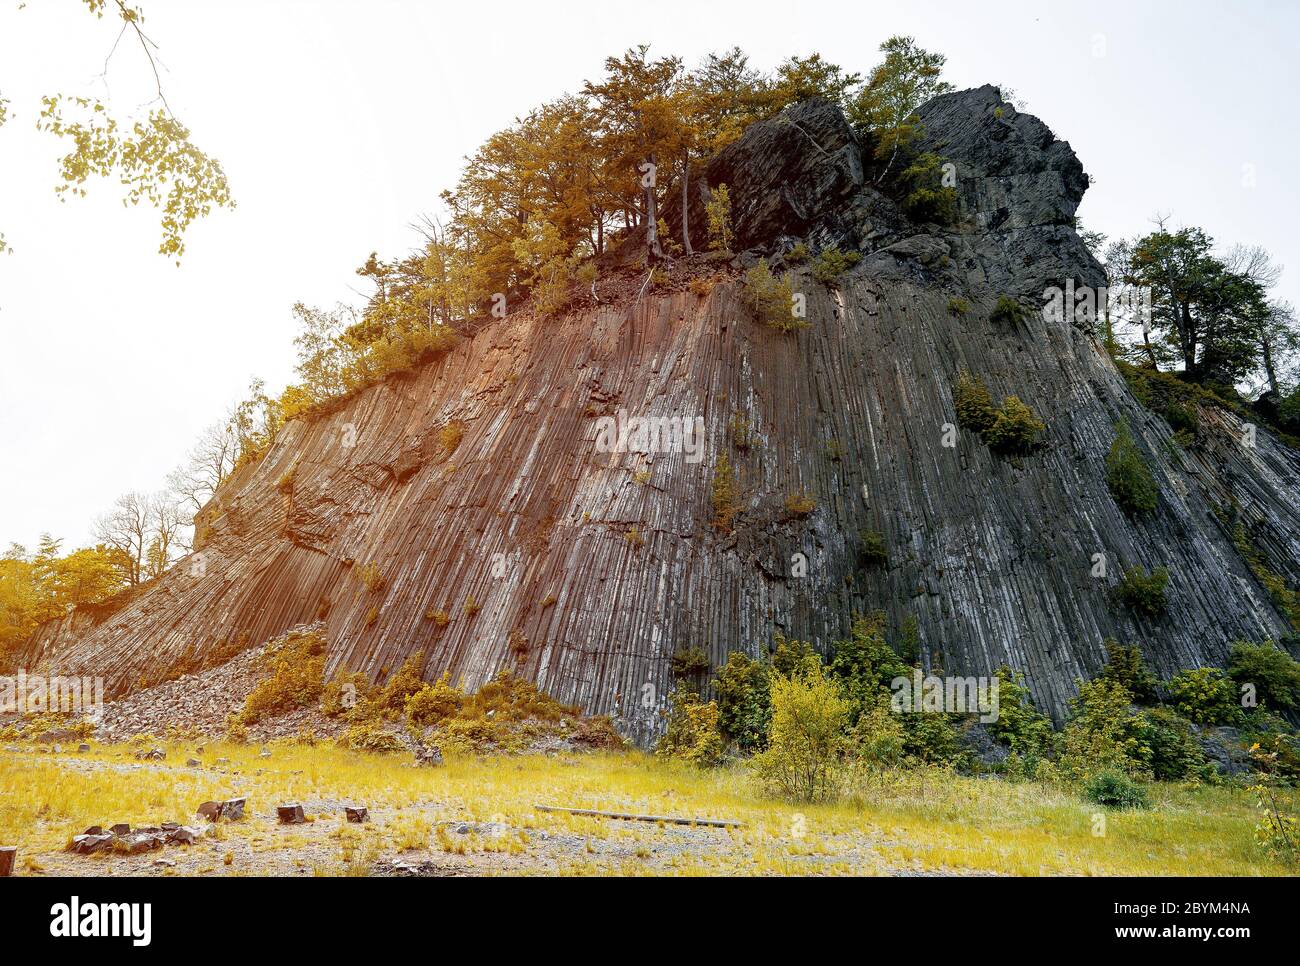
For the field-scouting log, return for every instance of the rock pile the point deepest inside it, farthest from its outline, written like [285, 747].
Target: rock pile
[124, 840]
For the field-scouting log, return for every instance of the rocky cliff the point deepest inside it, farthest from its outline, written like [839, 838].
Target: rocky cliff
[526, 544]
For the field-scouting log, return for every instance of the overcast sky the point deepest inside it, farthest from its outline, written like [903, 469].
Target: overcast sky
[339, 123]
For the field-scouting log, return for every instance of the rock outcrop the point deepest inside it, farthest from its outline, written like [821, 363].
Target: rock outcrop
[526, 545]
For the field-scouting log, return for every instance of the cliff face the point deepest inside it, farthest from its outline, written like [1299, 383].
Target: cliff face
[589, 568]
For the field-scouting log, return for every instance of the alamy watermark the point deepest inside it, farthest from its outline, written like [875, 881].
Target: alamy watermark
[25, 693]
[651, 434]
[929, 693]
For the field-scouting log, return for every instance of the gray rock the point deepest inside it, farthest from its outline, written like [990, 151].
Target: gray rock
[357, 813]
[429, 756]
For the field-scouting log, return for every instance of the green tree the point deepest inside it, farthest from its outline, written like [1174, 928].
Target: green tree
[907, 78]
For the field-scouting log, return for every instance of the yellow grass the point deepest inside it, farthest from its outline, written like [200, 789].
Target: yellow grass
[920, 821]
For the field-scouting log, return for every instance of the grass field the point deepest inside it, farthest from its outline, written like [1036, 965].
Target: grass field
[906, 823]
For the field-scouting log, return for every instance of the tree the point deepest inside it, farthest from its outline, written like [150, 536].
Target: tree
[800, 78]
[151, 156]
[640, 123]
[907, 78]
[126, 529]
[209, 462]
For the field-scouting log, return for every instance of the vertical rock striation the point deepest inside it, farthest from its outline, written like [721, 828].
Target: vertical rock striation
[528, 546]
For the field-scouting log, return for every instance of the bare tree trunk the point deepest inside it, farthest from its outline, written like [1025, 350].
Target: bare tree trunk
[656, 251]
[686, 226]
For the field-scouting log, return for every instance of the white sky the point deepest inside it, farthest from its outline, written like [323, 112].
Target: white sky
[338, 123]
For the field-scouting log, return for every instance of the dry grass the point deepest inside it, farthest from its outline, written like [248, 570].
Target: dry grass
[922, 821]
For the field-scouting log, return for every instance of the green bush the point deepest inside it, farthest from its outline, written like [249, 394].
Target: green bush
[872, 552]
[1103, 732]
[743, 686]
[877, 739]
[1125, 666]
[864, 664]
[1112, 789]
[958, 306]
[1176, 755]
[792, 657]
[973, 403]
[804, 759]
[692, 734]
[931, 738]
[1205, 695]
[1019, 725]
[689, 663]
[1008, 311]
[831, 263]
[925, 197]
[772, 299]
[1015, 428]
[1144, 592]
[1128, 475]
[1273, 672]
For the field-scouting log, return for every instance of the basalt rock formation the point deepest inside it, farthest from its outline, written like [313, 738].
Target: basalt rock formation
[513, 540]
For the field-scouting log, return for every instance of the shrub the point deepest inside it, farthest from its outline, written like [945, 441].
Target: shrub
[798, 254]
[1175, 753]
[371, 577]
[872, 552]
[772, 299]
[742, 431]
[450, 435]
[1007, 311]
[1128, 475]
[1142, 591]
[1274, 674]
[864, 664]
[472, 606]
[700, 287]
[1124, 666]
[689, 663]
[791, 657]
[346, 694]
[407, 681]
[434, 703]
[692, 734]
[958, 306]
[877, 738]
[926, 198]
[371, 736]
[1111, 789]
[973, 403]
[743, 686]
[717, 211]
[724, 495]
[1015, 428]
[297, 666]
[806, 743]
[1103, 732]
[931, 738]
[799, 504]
[1205, 696]
[1019, 725]
[831, 263]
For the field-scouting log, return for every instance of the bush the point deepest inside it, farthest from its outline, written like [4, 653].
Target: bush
[371, 736]
[347, 694]
[806, 743]
[1205, 696]
[1019, 725]
[689, 663]
[873, 552]
[832, 263]
[958, 306]
[772, 299]
[692, 734]
[878, 738]
[799, 504]
[798, 254]
[297, 667]
[743, 686]
[1015, 428]
[407, 681]
[434, 703]
[1128, 475]
[1103, 733]
[724, 495]
[1176, 755]
[931, 738]
[973, 403]
[1124, 666]
[1112, 789]
[1144, 592]
[1008, 311]
[1274, 674]
[864, 664]
[926, 198]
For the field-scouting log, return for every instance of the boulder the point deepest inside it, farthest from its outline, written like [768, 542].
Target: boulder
[428, 756]
[8, 854]
[357, 813]
[290, 814]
